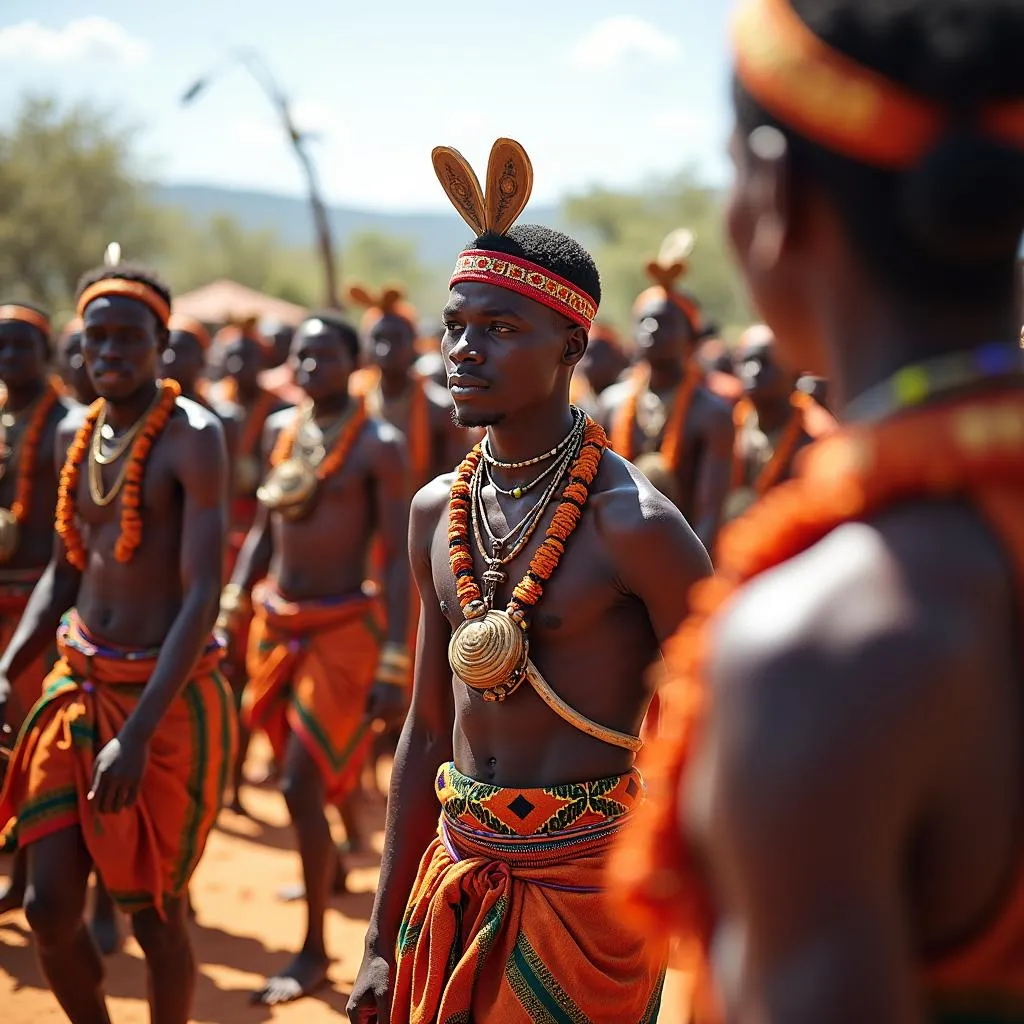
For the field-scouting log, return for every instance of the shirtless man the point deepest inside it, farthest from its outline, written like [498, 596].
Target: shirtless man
[525, 826]
[318, 678]
[70, 363]
[857, 782]
[31, 413]
[244, 406]
[184, 358]
[140, 530]
[666, 419]
[774, 421]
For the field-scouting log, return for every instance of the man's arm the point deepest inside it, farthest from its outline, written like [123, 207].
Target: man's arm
[201, 468]
[426, 742]
[390, 478]
[715, 475]
[657, 556]
[53, 595]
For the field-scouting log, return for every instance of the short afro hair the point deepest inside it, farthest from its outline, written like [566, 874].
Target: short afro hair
[951, 226]
[333, 319]
[125, 272]
[549, 249]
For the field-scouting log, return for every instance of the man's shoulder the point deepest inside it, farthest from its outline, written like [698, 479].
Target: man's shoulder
[280, 419]
[196, 416]
[832, 656]
[716, 411]
[629, 510]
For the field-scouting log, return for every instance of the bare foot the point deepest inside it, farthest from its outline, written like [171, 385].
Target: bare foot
[296, 892]
[305, 974]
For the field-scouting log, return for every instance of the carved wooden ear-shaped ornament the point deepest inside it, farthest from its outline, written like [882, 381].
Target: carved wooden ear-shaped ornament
[361, 296]
[509, 184]
[461, 185]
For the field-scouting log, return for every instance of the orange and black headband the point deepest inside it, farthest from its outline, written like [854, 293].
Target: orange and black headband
[840, 105]
[125, 289]
[190, 325]
[26, 315]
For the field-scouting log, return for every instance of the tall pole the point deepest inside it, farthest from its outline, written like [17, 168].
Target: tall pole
[259, 71]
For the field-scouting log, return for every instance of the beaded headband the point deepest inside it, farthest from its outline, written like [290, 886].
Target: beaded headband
[667, 271]
[833, 101]
[26, 316]
[123, 288]
[190, 325]
[238, 328]
[388, 302]
[509, 184]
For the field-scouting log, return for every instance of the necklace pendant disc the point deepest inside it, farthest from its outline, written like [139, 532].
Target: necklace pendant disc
[489, 653]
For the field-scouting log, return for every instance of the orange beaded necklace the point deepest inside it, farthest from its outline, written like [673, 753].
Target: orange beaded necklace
[672, 446]
[131, 496]
[973, 448]
[782, 455]
[29, 453]
[342, 448]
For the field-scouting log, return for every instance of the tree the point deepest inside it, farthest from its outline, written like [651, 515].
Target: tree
[626, 231]
[67, 188]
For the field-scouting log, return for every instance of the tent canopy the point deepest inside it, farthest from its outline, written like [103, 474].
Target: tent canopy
[217, 302]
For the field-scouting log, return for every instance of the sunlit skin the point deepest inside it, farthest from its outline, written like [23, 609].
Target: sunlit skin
[603, 364]
[666, 342]
[868, 692]
[165, 597]
[619, 591]
[313, 558]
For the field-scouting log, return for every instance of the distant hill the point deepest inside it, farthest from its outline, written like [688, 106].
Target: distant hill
[437, 235]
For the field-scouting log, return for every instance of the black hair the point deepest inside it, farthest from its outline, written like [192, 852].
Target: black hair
[333, 319]
[550, 249]
[948, 228]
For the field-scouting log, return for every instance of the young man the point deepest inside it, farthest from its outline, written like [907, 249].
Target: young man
[774, 421]
[397, 394]
[123, 763]
[184, 358]
[318, 677]
[71, 365]
[664, 417]
[244, 406]
[852, 693]
[32, 411]
[506, 912]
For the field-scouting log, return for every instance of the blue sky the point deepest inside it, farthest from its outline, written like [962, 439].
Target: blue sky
[599, 91]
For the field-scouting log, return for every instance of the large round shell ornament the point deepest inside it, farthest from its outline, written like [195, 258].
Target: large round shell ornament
[289, 489]
[489, 654]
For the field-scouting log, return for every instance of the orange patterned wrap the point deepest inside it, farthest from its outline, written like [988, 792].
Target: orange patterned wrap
[131, 497]
[832, 100]
[121, 288]
[972, 449]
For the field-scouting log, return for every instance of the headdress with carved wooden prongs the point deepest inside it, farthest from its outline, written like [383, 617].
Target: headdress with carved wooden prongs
[389, 301]
[671, 266]
[493, 211]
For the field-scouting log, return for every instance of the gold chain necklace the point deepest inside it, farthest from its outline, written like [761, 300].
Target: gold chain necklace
[121, 443]
[98, 459]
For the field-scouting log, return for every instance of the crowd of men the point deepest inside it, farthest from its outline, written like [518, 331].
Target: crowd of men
[500, 545]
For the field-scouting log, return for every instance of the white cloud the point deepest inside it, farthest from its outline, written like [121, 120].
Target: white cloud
[615, 40]
[680, 120]
[91, 38]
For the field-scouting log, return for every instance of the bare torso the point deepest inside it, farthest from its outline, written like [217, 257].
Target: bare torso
[35, 535]
[592, 638]
[135, 603]
[326, 553]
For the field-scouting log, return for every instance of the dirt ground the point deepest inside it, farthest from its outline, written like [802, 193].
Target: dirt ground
[242, 933]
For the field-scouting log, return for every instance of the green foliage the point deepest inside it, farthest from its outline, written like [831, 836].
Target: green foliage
[67, 189]
[626, 231]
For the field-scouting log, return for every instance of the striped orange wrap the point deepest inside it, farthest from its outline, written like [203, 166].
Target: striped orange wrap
[311, 665]
[148, 853]
[508, 919]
